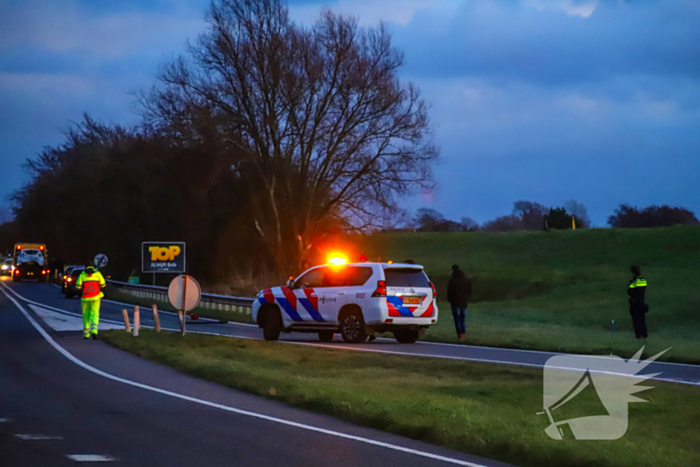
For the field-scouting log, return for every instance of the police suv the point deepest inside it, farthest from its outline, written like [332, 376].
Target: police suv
[356, 300]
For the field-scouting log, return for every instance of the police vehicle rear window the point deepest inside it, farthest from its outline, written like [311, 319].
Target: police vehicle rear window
[76, 272]
[406, 277]
[358, 275]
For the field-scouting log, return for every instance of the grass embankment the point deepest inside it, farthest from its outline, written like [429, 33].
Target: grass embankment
[482, 409]
[560, 290]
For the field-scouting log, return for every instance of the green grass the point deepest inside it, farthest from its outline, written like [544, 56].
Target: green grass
[482, 409]
[560, 290]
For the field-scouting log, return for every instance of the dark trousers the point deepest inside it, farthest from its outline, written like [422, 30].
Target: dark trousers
[638, 311]
[459, 313]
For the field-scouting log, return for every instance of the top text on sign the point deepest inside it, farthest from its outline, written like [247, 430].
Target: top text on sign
[164, 253]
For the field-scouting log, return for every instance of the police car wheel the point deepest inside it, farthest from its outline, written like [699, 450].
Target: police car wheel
[272, 326]
[406, 337]
[352, 328]
[325, 336]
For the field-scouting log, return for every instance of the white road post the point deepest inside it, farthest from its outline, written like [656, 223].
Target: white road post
[137, 321]
[156, 319]
[127, 326]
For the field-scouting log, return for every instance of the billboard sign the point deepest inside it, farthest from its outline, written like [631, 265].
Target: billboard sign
[163, 257]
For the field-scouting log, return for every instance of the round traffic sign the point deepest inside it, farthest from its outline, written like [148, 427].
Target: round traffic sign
[100, 260]
[184, 293]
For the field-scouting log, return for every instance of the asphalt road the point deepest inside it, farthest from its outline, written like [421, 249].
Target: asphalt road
[65, 400]
[49, 297]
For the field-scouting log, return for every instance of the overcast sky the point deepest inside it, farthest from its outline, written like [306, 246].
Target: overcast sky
[542, 100]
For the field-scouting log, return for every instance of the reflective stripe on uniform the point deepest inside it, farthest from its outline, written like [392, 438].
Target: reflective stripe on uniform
[638, 283]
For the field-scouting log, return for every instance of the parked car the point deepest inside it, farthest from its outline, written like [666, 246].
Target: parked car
[6, 268]
[356, 300]
[71, 290]
[66, 274]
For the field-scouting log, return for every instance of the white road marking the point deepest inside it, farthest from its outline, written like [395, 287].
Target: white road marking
[5, 420]
[64, 322]
[37, 437]
[392, 352]
[90, 458]
[226, 408]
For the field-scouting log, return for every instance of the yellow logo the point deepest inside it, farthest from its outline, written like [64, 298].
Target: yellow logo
[164, 253]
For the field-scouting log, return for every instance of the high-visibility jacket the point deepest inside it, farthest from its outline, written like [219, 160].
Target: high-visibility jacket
[637, 289]
[91, 285]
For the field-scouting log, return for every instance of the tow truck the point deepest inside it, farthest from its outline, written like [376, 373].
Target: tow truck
[30, 262]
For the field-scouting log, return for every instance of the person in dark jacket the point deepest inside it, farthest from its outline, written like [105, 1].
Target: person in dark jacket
[459, 289]
[636, 291]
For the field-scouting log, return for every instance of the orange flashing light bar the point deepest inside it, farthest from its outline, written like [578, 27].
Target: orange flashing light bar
[337, 261]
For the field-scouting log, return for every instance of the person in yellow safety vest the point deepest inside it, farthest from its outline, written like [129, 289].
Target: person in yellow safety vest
[91, 282]
[636, 291]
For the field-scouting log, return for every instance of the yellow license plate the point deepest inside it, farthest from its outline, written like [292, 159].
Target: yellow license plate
[411, 300]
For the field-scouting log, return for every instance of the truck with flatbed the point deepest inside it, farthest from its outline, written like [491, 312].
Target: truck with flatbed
[30, 262]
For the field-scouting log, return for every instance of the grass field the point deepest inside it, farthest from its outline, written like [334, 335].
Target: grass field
[489, 410]
[560, 290]
[556, 290]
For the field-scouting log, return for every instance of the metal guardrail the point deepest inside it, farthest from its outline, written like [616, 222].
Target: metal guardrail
[209, 300]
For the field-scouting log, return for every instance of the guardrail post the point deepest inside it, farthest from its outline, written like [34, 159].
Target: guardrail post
[127, 326]
[155, 317]
[137, 321]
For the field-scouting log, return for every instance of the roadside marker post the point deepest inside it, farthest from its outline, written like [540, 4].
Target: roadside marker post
[184, 301]
[127, 326]
[137, 321]
[612, 323]
[156, 319]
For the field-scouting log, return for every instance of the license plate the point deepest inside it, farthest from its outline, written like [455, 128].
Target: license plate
[411, 300]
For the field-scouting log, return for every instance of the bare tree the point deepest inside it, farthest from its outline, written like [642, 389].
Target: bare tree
[579, 211]
[531, 214]
[428, 219]
[469, 224]
[315, 119]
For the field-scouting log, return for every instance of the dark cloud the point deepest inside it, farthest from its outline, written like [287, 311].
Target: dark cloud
[506, 40]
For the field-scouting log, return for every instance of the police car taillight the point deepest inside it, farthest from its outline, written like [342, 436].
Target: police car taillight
[381, 289]
[432, 286]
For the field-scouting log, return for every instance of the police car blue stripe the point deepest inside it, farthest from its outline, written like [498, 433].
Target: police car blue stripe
[287, 307]
[310, 308]
[398, 304]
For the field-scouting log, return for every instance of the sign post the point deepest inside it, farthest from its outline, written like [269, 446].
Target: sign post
[184, 294]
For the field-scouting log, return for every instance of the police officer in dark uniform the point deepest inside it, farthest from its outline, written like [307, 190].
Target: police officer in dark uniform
[636, 291]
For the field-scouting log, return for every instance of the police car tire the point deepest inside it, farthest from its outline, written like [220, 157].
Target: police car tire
[273, 326]
[352, 328]
[325, 336]
[406, 337]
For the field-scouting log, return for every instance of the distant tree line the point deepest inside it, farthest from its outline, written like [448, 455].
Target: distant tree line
[627, 216]
[529, 215]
